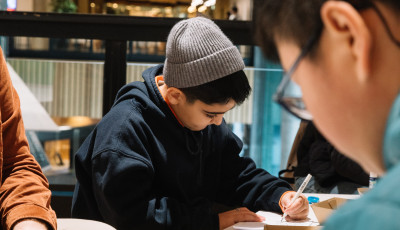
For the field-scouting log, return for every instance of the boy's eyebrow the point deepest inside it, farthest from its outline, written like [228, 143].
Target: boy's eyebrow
[218, 112]
[213, 112]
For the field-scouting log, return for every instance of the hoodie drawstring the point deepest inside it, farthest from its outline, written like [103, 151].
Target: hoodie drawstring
[197, 151]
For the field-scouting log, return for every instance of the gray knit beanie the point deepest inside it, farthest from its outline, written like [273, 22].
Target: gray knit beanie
[199, 52]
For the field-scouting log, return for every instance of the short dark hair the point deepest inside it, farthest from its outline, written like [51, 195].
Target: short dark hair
[234, 86]
[234, 9]
[295, 21]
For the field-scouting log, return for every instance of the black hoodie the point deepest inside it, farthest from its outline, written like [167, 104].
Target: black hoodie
[140, 169]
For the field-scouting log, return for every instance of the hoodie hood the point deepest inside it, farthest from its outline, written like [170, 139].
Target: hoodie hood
[131, 90]
[146, 94]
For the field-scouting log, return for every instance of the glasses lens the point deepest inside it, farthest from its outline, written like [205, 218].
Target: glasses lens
[296, 106]
[290, 97]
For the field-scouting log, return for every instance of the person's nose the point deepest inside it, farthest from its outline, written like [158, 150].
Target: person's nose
[218, 120]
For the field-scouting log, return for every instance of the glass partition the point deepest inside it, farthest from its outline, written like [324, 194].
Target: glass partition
[70, 95]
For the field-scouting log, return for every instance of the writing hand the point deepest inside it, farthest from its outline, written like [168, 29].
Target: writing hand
[298, 210]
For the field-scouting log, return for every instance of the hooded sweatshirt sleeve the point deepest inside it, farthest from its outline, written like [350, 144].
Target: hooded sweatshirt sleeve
[245, 184]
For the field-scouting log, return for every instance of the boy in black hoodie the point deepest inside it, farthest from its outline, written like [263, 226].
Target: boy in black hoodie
[163, 157]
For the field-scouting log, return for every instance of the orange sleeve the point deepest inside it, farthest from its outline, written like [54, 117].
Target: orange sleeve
[24, 190]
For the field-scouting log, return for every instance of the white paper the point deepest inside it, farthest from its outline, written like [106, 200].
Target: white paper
[272, 218]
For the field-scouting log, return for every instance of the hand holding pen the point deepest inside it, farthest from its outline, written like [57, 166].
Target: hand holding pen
[295, 204]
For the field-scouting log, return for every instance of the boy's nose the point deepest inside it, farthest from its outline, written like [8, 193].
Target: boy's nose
[218, 120]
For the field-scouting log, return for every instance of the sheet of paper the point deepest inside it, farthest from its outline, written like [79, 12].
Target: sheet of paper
[272, 218]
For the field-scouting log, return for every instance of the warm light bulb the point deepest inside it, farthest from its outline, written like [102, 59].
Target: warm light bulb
[209, 3]
[191, 9]
[202, 8]
[196, 2]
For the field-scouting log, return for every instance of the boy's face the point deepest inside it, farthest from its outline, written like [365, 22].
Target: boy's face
[197, 115]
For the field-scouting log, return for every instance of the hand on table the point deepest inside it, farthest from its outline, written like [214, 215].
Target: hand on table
[298, 210]
[229, 218]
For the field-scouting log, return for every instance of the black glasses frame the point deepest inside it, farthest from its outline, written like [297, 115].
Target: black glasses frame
[294, 105]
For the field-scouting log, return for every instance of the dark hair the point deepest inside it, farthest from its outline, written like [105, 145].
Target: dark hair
[234, 9]
[234, 86]
[295, 21]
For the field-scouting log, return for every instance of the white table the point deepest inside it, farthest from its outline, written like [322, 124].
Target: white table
[81, 224]
[321, 197]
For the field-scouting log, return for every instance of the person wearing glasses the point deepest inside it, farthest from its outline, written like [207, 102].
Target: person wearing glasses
[345, 57]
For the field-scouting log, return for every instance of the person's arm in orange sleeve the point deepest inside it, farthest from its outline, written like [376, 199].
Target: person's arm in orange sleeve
[24, 190]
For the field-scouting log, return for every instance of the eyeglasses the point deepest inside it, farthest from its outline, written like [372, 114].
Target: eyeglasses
[295, 105]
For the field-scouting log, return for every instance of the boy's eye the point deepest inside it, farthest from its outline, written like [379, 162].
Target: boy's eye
[211, 115]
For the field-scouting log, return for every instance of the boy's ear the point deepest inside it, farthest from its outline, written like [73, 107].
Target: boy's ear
[175, 96]
[347, 26]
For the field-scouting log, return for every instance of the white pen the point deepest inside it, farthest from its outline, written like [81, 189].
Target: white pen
[298, 193]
